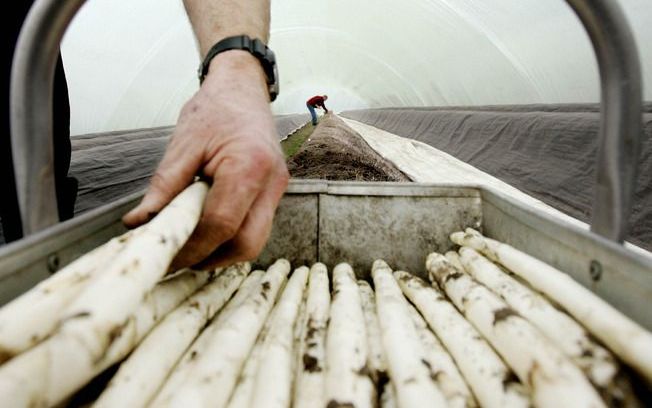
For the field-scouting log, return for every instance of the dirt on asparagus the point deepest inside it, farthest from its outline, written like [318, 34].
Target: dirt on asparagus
[334, 151]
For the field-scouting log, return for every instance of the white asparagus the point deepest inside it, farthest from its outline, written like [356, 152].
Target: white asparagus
[211, 377]
[623, 336]
[376, 357]
[571, 338]
[493, 383]
[141, 375]
[273, 384]
[241, 396]
[538, 363]
[201, 343]
[29, 380]
[92, 322]
[442, 368]
[299, 331]
[28, 319]
[347, 375]
[309, 383]
[405, 353]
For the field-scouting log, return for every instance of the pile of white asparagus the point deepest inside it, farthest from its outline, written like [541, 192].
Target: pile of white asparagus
[494, 327]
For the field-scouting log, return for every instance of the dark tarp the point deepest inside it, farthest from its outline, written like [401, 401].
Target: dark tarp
[547, 151]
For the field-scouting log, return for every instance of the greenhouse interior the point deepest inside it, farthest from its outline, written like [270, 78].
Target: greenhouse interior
[467, 221]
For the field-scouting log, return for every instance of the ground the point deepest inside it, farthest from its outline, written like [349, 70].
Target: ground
[334, 151]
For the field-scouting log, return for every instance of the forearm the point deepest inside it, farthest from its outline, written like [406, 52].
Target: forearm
[213, 20]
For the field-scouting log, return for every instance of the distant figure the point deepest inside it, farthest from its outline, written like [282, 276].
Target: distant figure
[316, 102]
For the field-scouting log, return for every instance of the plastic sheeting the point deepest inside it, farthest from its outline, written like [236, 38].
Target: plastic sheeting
[131, 64]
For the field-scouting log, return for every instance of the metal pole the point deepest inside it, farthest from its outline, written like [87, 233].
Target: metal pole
[32, 79]
[621, 115]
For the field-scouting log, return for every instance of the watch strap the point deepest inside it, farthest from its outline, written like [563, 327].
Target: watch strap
[256, 47]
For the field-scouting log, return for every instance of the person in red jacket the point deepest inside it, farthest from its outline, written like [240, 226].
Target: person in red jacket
[316, 101]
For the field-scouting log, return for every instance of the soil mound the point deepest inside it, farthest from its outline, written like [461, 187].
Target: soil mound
[334, 151]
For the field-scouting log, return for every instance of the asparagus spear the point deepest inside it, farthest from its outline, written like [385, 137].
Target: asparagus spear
[376, 358]
[141, 375]
[273, 383]
[492, 382]
[211, 377]
[442, 368]
[538, 364]
[406, 358]
[624, 337]
[347, 373]
[242, 393]
[598, 364]
[241, 396]
[309, 384]
[51, 371]
[298, 334]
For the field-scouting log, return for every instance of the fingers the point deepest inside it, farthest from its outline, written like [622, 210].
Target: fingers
[254, 231]
[175, 172]
[236, 185]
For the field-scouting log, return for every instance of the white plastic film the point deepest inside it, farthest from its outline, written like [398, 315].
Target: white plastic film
[132, 64]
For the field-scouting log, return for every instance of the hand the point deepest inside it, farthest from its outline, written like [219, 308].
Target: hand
[226, 133]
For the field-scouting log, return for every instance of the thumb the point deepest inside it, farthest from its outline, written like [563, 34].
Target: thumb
[175, 172]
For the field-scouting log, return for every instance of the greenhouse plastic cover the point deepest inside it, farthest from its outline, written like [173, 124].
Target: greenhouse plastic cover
[131, 64]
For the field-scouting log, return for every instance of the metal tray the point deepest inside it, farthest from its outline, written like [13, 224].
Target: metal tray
[352, 222]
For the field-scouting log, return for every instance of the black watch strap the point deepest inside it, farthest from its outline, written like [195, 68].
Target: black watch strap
[257, 48]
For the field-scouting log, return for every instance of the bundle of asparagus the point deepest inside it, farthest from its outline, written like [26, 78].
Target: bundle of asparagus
[212, 372]
[94, 312]
[536, 362]
[141, 375]
[476, 336]
[493, 384]
[624, 337]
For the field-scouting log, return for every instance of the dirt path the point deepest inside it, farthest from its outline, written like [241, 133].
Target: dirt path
[334, 151]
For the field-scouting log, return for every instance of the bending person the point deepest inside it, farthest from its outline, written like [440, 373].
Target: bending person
[316, 101]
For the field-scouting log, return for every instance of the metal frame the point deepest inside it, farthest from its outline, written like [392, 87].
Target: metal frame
[620, 129]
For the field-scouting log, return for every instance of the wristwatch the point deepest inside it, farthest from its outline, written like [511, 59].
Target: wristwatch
[257, 48]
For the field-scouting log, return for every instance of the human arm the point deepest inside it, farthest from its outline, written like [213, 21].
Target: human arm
[226, 133]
